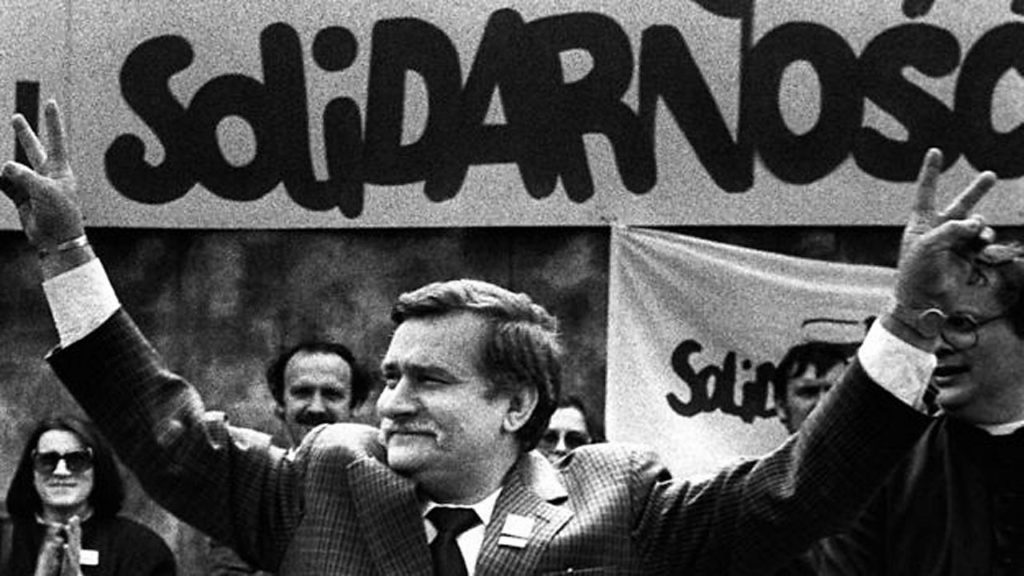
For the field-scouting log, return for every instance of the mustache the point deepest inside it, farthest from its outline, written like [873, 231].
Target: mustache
[314, 419]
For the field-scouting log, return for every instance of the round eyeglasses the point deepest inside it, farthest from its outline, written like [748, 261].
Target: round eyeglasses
[75, 462]
[960, 331]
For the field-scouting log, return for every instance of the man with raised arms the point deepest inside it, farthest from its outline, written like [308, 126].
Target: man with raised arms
[450, 483]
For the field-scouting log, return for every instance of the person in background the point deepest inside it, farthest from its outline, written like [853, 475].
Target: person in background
[805, 375]
[449, 482]
[64, 501]
[570, 427]
[314, 382]
[809, 370]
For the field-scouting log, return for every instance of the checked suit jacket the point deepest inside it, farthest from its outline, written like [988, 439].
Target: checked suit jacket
[334, 507]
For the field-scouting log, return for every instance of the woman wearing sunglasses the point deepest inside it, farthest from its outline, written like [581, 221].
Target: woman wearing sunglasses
[63, 502]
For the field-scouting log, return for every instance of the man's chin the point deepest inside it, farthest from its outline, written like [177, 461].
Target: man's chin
[405, 463]
[952, 398]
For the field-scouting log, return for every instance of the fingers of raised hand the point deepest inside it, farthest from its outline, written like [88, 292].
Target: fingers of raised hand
[927, 183]
[961, 232]
[964, 202]
[29, 141]
[55, 136]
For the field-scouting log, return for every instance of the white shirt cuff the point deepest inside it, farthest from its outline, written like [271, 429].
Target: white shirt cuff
[900, 368]
[81, 300]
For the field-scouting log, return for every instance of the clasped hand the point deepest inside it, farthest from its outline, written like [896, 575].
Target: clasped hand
[61, 550]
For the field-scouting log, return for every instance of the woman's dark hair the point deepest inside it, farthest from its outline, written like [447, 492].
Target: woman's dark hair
[107, 491]
[594, 429]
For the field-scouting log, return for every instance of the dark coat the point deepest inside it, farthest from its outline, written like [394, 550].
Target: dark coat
[336, 508]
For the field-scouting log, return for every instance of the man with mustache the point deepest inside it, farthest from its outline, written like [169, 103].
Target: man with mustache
[450, 484]
[314, 382]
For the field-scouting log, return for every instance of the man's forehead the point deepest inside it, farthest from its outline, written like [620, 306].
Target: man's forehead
[1002, 267]
[312, 382]
[448, 337]
[307, 363]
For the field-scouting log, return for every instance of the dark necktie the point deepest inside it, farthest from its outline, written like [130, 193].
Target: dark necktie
[450, 522]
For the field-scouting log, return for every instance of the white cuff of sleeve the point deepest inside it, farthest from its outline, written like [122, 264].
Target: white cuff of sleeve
[81, 300]
[900, 368]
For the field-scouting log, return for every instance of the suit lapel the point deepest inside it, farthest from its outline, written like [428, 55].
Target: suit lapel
[389, 512]
[531, 496]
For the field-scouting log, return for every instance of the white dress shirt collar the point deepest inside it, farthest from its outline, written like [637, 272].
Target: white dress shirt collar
[471, 540]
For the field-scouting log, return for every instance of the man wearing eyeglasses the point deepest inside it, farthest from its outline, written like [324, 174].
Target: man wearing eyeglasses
[956, 506]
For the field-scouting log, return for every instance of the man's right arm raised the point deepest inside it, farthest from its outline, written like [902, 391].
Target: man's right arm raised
[227, 481]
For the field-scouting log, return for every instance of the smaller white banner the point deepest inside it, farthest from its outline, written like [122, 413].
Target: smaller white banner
[695, 329]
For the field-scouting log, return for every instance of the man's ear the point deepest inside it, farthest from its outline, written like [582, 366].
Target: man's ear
[279, 412]
[522, 403]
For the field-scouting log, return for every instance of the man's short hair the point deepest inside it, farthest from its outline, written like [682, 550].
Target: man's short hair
[107, 496]
[522, 346]
[359, 385]
[823, 356]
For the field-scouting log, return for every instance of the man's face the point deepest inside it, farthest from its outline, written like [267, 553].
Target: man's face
[566, 431]
[804, 392]
[439, 421]
[317, 390]
[985, 383]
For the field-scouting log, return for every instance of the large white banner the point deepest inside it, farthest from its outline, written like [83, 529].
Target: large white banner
[402, 113]
[695, 329]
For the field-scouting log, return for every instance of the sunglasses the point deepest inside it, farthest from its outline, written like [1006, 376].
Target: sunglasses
[571, 438]
[77, 461]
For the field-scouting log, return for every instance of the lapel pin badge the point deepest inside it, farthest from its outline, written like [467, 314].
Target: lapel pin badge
[516, 531]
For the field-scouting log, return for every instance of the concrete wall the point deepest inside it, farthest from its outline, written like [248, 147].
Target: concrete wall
[219, 304]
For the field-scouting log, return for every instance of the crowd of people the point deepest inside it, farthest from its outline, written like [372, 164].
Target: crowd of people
[481, 464]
